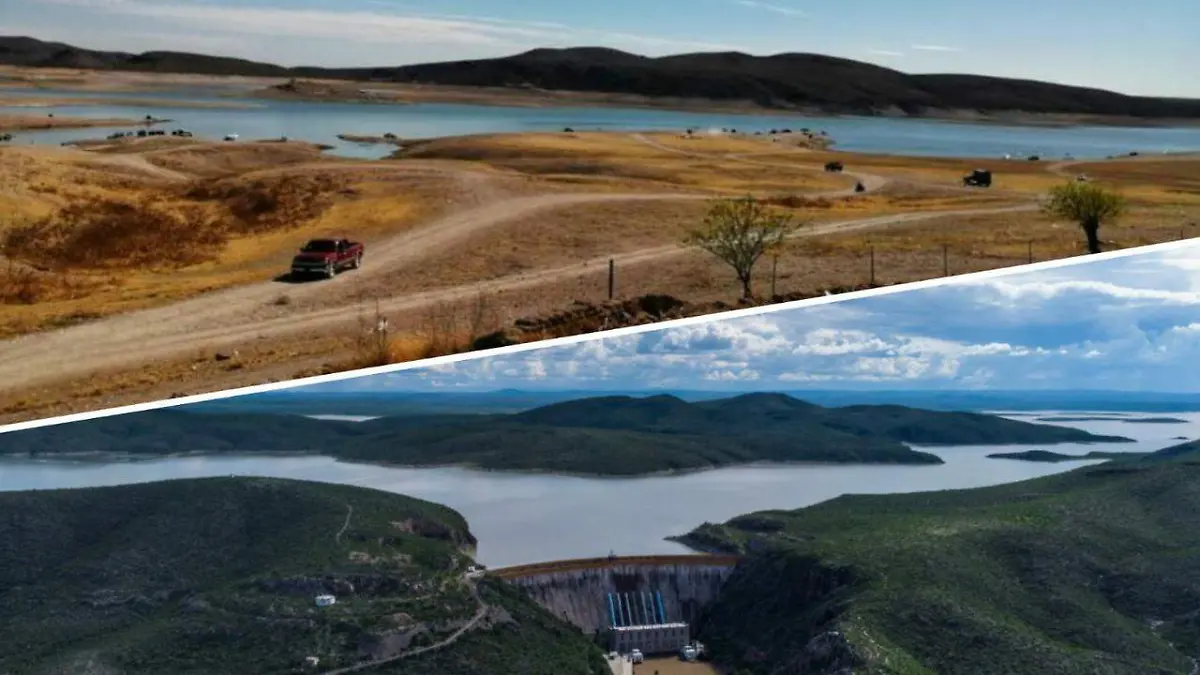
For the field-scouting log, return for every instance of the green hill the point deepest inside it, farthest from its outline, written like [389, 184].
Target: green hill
[613, 435]
[1053, 457]
[1090, 571]
[219, 576]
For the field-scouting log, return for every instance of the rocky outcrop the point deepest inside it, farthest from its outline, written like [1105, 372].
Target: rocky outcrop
[783, 611]
[587, 317]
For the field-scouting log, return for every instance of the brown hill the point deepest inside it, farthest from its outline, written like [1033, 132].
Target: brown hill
[784, 81]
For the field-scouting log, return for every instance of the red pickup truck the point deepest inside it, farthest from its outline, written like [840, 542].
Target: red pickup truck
[327, 257]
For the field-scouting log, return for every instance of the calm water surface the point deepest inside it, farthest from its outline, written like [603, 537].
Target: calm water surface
[530, 518]
[322, 122]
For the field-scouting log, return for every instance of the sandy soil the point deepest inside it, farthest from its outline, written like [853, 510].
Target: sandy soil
[52, 101]
[24, 122]
[674, 666]
[525, 240]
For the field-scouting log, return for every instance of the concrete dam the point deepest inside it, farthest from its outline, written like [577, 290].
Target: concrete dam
[617, 594]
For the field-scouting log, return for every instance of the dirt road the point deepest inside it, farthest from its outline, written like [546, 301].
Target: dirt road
[480, 612]
[870, 181]
[236, 316]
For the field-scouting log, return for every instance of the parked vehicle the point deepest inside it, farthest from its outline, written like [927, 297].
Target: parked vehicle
[636, 656]
[834, 167]
[327, 257]
[978, 178]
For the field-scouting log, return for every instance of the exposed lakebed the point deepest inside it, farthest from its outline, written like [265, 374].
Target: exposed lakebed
[522, 518]
[322, 122]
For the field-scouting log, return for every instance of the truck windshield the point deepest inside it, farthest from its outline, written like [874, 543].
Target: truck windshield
[320, 246]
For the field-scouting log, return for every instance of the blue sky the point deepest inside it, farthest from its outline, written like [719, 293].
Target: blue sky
[1129, 324]
[1139, 47]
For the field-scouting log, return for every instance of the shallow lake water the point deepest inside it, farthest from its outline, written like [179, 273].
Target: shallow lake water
[321, 122]
[520, 518]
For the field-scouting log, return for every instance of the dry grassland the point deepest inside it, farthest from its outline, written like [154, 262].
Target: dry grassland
[602, 157]
[31, 122]
[133, 224]
[91, 234]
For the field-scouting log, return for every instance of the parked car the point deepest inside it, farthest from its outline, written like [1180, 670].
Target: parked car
[327, 257]
[978, 178]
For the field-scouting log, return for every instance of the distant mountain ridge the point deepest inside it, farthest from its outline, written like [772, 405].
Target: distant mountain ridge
[368, 403]
[612, 435]
[783, 81]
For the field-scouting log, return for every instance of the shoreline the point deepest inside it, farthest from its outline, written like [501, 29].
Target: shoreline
[38, 102]
[100, 457]
[581, 100]
[500, 97]
[31, 123]
[241, 96]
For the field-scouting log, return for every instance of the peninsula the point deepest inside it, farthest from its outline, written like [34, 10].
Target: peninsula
[1087, 571]
[600, 436]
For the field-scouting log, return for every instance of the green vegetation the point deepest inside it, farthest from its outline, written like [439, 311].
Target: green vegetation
[1047, 456]
[615, 435]
[739, 232]
[1090, 571]
[220, 576]
[1109, 418]
[1087, 204]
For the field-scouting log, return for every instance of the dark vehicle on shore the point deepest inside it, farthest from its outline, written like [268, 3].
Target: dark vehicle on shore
[978, 178]
[834, 167]
[327, 257]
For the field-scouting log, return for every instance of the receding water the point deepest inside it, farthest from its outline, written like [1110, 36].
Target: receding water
[321, 122]
[521, 518]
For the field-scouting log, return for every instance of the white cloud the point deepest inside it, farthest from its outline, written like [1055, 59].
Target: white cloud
[1018, 293]
[885, 52]
[934, 48]
[1124, 323]
[745, 375]
[773, 8]
[381, 27]
[832, 341]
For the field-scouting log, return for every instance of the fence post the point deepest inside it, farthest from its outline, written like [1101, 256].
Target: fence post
[774, 269]
[1030, 243]
[612, 278]
[872, 265]
[945, 260]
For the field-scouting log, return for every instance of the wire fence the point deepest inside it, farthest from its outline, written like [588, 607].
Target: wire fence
[800, 271]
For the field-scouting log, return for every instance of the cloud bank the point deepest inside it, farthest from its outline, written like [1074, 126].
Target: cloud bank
[1126, 324]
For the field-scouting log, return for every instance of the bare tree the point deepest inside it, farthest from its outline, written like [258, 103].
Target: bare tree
[739, 232]
[1088, 204]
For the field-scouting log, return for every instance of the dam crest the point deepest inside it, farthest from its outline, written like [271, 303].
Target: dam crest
[647, 602]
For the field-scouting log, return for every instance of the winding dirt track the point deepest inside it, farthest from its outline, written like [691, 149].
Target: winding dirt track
[238, 315]
[480, 612]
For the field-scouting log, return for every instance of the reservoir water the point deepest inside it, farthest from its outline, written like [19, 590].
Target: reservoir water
[322, 122]
[520, 518]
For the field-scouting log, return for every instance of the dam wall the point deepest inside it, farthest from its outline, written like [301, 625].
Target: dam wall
[580, 591]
